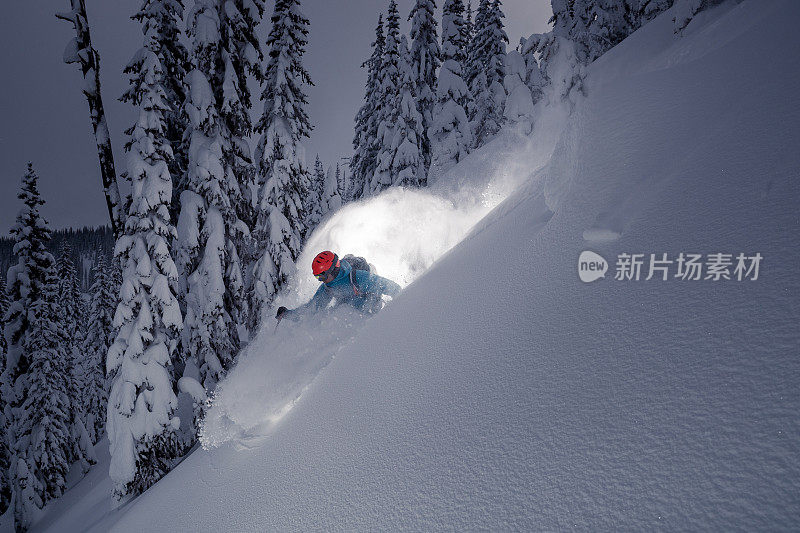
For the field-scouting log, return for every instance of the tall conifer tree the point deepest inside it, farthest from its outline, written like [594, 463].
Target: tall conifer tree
[450, 133]
[365, 141]
[283, 177]
[141, 423]
[425, 60]
[210, 229]
[163, 19]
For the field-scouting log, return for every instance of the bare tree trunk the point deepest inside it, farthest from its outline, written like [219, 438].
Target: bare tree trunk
[79, 50]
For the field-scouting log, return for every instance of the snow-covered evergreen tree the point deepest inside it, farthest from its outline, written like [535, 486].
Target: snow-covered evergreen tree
[450, 133]
[240, 55]
[141, 423]
[595, 26]
[331, 194]
[341, 181]
[365, 141]
[26, 278]
[534, 78]
[73, 310]
[163, 19]
[519, 100]
[425, 60]
[486, 72]
[43, 436]
[468, 30]
[387, 94]
[315, 198]
[408, 164]
[209, 228]
[400, 159]
[5, 452]
[4, 302]
[36, 407]
[606, 25]
[647, 10]
[496, 42]
[99, 337]
[283, 178]
[71, 324]
[5, 461]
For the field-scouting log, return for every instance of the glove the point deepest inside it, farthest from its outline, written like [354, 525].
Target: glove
[281, 311]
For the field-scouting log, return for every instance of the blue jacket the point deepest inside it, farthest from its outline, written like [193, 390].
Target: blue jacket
[368, 298]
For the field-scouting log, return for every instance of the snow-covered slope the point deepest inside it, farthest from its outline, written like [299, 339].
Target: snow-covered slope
[500, 392]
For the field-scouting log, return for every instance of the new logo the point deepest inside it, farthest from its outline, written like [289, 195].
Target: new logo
[591, 266]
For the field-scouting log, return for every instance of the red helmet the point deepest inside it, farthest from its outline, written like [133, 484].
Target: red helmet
[325, 263]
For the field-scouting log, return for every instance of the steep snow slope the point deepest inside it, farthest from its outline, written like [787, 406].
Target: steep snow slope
[498, 391]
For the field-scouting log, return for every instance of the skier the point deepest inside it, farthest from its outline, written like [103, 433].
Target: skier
[348, 280]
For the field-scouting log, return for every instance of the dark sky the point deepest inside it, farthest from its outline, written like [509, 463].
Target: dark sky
[45, 117]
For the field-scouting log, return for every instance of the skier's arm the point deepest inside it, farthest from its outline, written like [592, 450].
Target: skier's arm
[320, 300]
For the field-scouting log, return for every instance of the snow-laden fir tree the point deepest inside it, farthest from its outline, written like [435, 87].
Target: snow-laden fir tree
[425, 59]
[3, 309]
[595, 26]
[331, 195]
[365, 141]
[36, 425]
[604, 23]
[399, 158]
[473, 59]
[582, 31]
[210, 230]
[240, 56]
[341, 181]
[647, 10]
[141, 421]
[163, 20]
[5, 461]
[25, 284]
[99, 337]
[534, 78]
[408, 165]
[5, 452]
[519, 99]
[449, 132]
[486, 72]
[283, 178]
[4, 302]
[314, 199]
[25, 278]
[388, 94]
[42, 423]
[467, 31]
[72, 304]
[71, 323]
